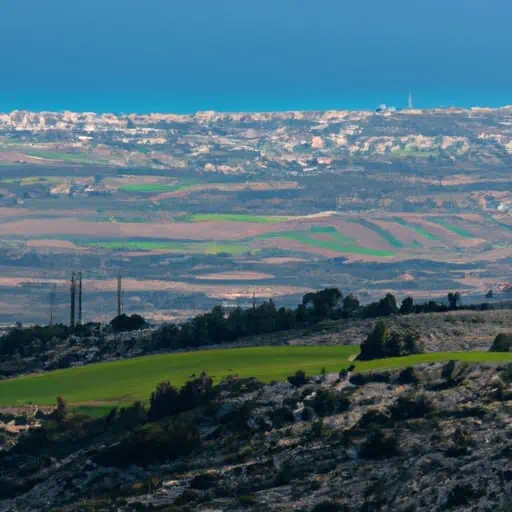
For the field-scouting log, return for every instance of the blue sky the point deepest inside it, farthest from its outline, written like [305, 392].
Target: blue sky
[236, 54]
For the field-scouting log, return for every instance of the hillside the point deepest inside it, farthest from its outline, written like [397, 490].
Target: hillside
[430, 439]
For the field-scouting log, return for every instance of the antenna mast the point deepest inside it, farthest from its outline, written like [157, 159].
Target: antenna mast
[79, 298]
[73, 300]
[52, 302]
[119, 292]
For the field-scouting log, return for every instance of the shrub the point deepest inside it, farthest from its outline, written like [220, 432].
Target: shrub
[61, 411]
[299, 379]
[411, 406]
[247, 500]
[203, 481]
[152, 444]
[282, 416]
[507, 374]
[307, 414]
[379, 445]
[502, 343]
[164, 401]
[328, 506]
[327, 403]
[196, 392]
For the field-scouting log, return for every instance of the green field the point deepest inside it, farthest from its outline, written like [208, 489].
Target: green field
[234, 217]
[390, 239]
[234, 248]
[337, 243]
[417, 229]
[492, 220]
[34, 180]
[451, 227]
[123, 382]
[66, 157]
[408, 152]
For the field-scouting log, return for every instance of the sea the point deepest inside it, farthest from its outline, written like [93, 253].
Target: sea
[270, 55]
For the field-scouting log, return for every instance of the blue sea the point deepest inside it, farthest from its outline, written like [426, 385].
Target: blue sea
[240, 55]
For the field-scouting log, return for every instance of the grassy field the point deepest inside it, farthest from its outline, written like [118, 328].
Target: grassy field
[234, 217]
[65, 157]
[417, 229]
[122, 382]
[451, 227]
[235, 248]
[337, 242]
[155, 187]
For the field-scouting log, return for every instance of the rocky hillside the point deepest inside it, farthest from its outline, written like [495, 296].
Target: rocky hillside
[432, 438]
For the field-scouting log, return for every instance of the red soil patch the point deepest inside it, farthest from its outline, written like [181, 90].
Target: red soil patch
[281, 260]
[209, 230]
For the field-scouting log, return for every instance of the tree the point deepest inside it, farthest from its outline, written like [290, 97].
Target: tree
[350, 304]
[323, 302]
[387, 306]
[128, 323]
[61, 411]
[489, 294]
[454, 300]
[374, 347]
[407, 306]
[502, 343]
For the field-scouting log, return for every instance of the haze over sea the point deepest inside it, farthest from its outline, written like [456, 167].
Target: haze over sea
[243, 55]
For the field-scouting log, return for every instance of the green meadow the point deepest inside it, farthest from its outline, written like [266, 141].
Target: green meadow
[333, 241]
[417, 229]
[451, 227]
[122, 382]
[234, 217]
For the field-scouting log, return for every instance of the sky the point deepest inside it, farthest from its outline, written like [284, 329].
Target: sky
[188, 55]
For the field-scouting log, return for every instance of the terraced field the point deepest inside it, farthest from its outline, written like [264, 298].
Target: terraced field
[417, 229]
[122, 382]
[448, 224]
[386, 235]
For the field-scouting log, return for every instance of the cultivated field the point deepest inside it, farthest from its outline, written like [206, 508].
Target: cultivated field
[173, 232]
[123, 382]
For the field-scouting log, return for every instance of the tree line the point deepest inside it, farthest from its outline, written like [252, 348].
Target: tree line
[220, 325]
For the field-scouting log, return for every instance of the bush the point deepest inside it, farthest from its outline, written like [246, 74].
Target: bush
[411, 406]
[164, 401]
[507, 374]
[203, 481]
[154, 443]
[327, 403]
[328, 506]
[502, 343]
[379, 445]
[282, 416]
[299, 379]
[61, 411]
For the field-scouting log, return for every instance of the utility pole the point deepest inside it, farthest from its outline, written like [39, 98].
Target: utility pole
[53, 293]
[119, 291]
[79, 298]
[253, 301]
[73, 300]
